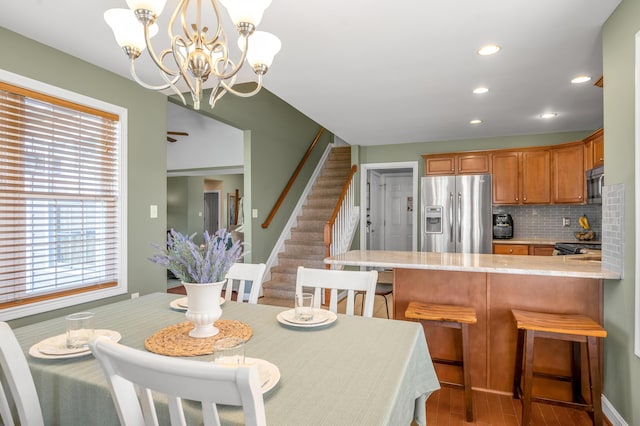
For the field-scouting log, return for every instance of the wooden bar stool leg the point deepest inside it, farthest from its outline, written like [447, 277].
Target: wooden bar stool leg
[596, 380]
[576, 371]
[517, 375]
[466, 371]
[529, 337]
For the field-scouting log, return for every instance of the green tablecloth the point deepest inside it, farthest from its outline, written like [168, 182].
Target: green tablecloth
[356, 371]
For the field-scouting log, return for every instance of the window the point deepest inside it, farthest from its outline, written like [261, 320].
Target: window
[61, 198]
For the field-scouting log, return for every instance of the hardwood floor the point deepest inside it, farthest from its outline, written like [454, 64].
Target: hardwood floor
[446, 406]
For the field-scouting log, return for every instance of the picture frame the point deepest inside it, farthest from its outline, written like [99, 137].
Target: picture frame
[232, 215]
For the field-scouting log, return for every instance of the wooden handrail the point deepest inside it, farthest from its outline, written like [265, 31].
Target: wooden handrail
[292, 179]
[329, 224]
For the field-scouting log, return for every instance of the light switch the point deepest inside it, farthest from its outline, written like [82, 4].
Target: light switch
[254, 213]
[153, 211]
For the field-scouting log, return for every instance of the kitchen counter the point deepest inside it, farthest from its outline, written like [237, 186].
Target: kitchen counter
[541, 241]
[493, 285]
[576, 266]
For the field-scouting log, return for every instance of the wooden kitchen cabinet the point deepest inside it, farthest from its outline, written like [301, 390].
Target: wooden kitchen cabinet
[512, 249]
[456, 164]
[505, 166]
[536, 177]
[594, 150]
[568, 178]
[541, 250]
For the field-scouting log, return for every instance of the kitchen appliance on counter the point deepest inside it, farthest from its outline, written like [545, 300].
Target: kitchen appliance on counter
[595, 181]
[456, 213]
[562, 249]
[502, 226]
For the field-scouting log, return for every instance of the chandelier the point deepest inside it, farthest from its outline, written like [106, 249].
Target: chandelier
[196, 54]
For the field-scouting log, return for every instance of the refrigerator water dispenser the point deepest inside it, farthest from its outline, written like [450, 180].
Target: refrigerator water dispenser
[433, 219]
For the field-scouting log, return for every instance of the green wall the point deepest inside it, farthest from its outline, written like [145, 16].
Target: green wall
[621, 366]
[146, 182]
[276, 138]
[177, 203]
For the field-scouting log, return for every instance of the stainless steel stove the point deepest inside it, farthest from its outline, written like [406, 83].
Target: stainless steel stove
[575, 248]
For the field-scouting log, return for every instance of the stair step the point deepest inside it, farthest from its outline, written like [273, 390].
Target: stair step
[303, 248]
[299, 259]
[305, 235]
[278, 289]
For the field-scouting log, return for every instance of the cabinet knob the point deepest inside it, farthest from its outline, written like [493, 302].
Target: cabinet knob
[579, 197]
[510, 250]
[516, 198]
[524, 198]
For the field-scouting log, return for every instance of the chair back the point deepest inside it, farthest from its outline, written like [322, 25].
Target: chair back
[20, 396]
[244, 273]
[352, 282]
[127, 369]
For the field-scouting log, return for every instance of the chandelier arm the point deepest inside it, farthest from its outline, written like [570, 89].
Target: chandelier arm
[149, 86]
[157, 60]
[182, 11]
[244, 94]
[182, 65]
[219, 30]
[234, 68]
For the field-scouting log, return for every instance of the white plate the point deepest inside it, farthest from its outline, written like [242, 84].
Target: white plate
[321, 317]
[55, 347]
[181, 304]
[268, 372]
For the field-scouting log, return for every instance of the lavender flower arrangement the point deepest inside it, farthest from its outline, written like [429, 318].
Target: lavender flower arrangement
[191, 263]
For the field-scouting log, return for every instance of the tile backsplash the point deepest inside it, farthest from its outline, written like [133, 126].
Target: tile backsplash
[546, 221]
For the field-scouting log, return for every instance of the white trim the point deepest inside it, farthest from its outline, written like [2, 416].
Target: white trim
[364, 169]
[612, 415]
[293, 219]
[121, 288]
[637, 191]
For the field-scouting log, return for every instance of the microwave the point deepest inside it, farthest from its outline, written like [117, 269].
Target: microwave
[595, 181]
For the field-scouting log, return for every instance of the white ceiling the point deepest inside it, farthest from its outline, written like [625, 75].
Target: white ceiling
[399, 71]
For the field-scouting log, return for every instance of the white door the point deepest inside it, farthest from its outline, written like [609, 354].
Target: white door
[398, 212]
[375, 215]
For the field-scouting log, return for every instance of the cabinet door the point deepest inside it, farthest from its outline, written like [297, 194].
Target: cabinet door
[536, 177]
[439, 164]
[473, 163]
[505, 178]
[542, 250]
[568, 175]
[598, 150]
[515, 249]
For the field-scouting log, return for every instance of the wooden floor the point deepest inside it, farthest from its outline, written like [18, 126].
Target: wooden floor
[446, 406]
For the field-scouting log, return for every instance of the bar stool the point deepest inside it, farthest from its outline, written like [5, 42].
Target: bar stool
[451, 316]
[569, 327]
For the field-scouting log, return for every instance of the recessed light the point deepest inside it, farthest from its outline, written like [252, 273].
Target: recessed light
[581, 79]
[489, 49]
[548, 115]
[476, 121]
[480, 90]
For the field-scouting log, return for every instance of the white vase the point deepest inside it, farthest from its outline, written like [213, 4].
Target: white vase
[203, 307]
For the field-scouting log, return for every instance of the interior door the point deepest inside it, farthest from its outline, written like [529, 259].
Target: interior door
[398, 207]
[211, 211]
[375, 215]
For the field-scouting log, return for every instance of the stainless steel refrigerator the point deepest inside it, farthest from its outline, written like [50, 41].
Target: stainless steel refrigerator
[456, 213]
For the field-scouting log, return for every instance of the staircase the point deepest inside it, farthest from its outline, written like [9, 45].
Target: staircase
[306, 245]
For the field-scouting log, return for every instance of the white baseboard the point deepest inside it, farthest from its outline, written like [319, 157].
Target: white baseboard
[609, 410]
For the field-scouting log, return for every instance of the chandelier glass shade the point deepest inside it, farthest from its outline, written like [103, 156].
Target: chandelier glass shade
[196, 54]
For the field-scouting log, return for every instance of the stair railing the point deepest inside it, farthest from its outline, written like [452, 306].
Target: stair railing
[292, 179]
[340, 229]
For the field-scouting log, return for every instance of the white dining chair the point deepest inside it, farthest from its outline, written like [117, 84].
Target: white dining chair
[353, 282]
[127, 369]
[243, 274]
[14, 371]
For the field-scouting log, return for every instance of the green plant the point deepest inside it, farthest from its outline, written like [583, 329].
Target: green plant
[192, 263]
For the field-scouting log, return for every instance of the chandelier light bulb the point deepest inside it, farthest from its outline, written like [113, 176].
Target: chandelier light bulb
[263, 47]
[127, 30]
[581, 79]
[480, 90]
[154, 6]
[247, 11]
[489, 49]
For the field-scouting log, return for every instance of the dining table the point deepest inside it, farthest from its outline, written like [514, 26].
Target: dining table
[350, 371]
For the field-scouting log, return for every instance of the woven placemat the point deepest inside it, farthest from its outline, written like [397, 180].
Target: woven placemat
[175, 340]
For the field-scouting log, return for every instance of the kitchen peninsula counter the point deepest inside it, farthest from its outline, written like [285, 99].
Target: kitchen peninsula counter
[577, 266]
[492, 285]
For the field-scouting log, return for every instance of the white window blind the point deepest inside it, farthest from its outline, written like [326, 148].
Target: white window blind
[58, 197]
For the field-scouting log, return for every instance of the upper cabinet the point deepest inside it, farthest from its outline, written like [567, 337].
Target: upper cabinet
[535, 175]
[457, 164]
[568, 178]
[521, 177]
[594, 149]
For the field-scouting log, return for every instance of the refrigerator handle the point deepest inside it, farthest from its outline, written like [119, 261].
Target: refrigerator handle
[459, 217]
[451, 217]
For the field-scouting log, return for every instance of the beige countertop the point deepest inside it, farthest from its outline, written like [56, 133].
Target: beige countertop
[579, 266]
